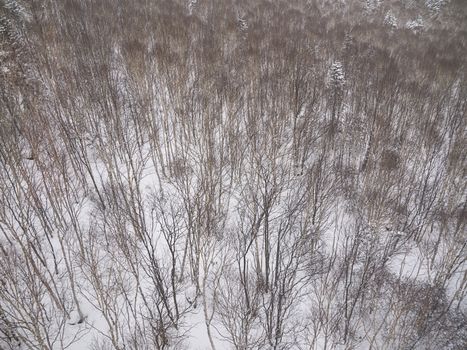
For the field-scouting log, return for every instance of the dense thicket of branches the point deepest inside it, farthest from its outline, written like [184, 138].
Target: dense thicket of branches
[294, 169]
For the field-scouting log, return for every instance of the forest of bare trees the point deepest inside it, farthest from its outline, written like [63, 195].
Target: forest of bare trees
[233, 174]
